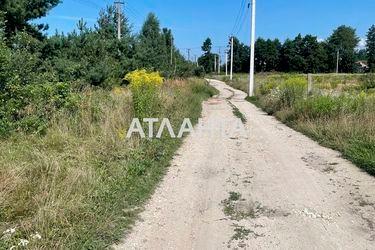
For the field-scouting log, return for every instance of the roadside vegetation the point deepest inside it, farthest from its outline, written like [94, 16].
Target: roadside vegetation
[341, 115]
[69, 177]
[40, 75]
[82, 184]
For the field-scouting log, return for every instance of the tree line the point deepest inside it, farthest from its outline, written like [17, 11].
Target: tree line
[40, 73]
[304, 54]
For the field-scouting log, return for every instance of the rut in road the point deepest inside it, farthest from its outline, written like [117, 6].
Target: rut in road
[267, 188]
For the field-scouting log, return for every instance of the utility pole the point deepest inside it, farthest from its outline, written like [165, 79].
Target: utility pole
[231, 59]
[118, 5]
[196, 60]
[252, 49]
[337, 61]
[226, 63]
[219, 62]
[215, 63]
[188, 50]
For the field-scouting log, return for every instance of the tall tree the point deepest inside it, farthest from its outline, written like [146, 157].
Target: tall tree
[207, 60]
[107, 23]
[207, 46]
[19, 13]
[292, 59]
[241, 54]
[371, 48]
[343, 40]
[314, 54]
[260, 52]
[152, 50]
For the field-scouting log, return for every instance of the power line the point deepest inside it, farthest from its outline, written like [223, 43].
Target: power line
[243, 20]
[130, 13]
[133, 9]
[239, 16]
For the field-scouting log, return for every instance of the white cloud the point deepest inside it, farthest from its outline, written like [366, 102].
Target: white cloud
[362, 43]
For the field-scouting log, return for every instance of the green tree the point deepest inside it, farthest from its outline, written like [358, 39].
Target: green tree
[19, 13]
[361, 55]
[371, 48]
[241, 54]
[292, 59]
[107, 23]
[314, 54]
[207, 60]
[267, 55]
[260, 52]
[344, 40]
[152, 50]
[207, 46]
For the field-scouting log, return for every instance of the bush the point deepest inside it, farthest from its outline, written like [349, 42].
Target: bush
[144, 87]
[67, 70]
[266, 88]
[368, 81]
[199, 71]
[28, 108]
[291, 90]
[28, 96]
[4, 64]
[198, 88]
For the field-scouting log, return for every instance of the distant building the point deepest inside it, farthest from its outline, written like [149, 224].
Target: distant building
[361, 66]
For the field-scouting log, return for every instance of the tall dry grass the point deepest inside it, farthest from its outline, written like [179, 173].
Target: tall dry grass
[81, 184]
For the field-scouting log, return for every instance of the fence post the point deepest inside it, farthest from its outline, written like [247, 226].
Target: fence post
[309, 84]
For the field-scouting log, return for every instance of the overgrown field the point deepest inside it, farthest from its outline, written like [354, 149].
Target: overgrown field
[340, 115]
[82, 184]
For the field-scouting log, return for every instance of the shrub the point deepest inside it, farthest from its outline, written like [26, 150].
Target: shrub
[368, 81]
[266, 88]
[28, 108]
[291, 90]
[144, 86]
[67, 70]
[4, 64]
[270, 104]
[199, 71]
[199, 88]
[28, 96]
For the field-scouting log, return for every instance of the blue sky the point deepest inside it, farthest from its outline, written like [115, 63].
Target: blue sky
[194, 20]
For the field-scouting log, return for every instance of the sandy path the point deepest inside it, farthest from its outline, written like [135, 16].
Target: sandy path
[287, 191]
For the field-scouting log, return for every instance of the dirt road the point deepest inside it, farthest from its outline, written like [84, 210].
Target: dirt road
[267, 188]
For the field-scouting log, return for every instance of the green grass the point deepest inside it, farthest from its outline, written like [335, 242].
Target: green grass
[82, 185]
[241, 233]
[342, 119]
[238, 113]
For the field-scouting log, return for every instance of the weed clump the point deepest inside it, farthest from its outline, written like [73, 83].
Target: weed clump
[144, 86]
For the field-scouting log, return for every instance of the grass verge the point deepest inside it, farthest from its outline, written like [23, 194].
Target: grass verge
[82, 184]
[342, 120]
